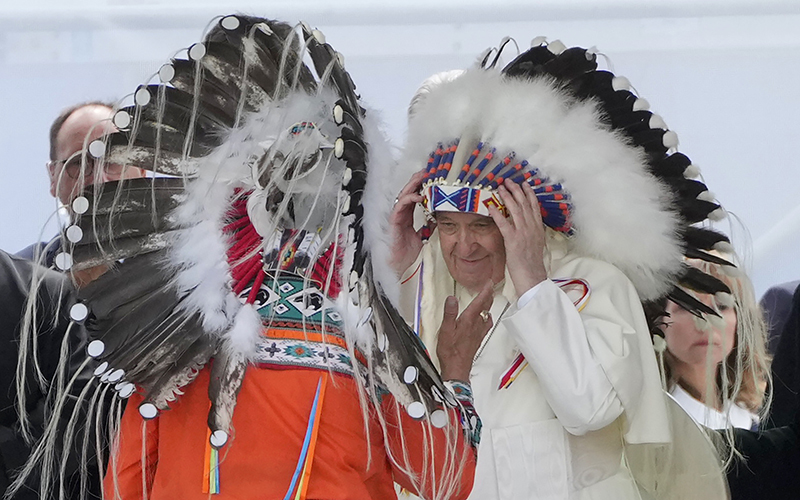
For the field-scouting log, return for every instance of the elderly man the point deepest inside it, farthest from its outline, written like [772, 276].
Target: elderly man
[528, 190]
[70, 171]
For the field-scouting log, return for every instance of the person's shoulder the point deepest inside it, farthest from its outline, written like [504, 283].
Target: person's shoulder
[590, 269]
[13, 268]
[780, 291]
[33, 251]
[16, 274]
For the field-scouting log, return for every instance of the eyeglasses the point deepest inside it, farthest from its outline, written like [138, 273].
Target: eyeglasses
[72, 166]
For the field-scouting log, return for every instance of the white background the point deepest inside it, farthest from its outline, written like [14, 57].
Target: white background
[725, 75]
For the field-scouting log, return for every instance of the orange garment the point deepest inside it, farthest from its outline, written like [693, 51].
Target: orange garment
[269, 425]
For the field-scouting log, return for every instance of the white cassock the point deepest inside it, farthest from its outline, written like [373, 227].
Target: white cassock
[592, 387]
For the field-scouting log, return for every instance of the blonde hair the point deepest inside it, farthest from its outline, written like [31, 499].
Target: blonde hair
[743, 376]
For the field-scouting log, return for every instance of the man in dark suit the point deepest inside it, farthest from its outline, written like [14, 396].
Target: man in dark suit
[70, 171]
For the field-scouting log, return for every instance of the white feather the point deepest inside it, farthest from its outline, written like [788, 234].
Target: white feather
[724, 247]
[670, 139]
[691, 172]
[377, 205]
[718, 214]
[556, 47]
[620, 83]
[706, 196]
[245, 332]
[199, 253]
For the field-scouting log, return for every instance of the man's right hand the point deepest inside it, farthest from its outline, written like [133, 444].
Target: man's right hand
[406, 242]
[460, 337]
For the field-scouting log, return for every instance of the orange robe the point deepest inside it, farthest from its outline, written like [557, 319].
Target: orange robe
[269, 425]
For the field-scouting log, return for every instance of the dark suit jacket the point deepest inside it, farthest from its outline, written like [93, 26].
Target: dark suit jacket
[54, 298]
[777, 305]
[50, 248]
[771, 469]
[786, 371]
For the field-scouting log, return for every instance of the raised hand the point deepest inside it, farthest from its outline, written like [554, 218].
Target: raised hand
[406, 242]
[461, 336]
[523, 234]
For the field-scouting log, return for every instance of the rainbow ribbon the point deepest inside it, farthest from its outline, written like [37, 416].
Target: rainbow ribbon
[304, 462]
[211, 468]
[519, 362]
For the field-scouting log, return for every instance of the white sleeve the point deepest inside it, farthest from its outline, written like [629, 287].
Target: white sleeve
[572, 352]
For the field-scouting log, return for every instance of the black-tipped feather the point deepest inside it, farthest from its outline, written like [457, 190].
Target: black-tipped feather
[92, 255]
[703, 238]
[689, 303]
[694, 211]
[147, 158]
[695, 279]
[694, 253]
[327, 66]
[403, 347]
[153, 136]
[575, 69]
[673, 166]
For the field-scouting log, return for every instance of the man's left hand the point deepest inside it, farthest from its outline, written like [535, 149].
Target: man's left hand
[523, 234]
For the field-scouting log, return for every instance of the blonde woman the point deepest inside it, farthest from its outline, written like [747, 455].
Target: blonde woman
[717, 366]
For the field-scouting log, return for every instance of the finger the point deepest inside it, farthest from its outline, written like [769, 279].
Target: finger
[486, 327]
[507, 197]
[477, 312]
[482, 302]
[478, 334]
[526, 208]
[500, 220]
[403, 210]
[450, 312]
[407, 200]
[413, 184]
[536, 208]
[516, 191]
[486, 296]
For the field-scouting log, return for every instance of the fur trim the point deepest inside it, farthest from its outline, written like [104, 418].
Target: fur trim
[621, 213]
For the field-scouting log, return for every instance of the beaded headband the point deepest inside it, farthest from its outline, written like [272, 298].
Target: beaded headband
[473, 187]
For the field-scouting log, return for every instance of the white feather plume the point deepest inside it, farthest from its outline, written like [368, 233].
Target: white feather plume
[244, 333]
[199, 254]
[377, 201]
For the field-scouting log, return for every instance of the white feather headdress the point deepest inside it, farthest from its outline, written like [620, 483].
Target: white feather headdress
[630, 199]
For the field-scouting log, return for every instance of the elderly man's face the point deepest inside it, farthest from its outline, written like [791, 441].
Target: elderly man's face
[472, 247]
[67, 179]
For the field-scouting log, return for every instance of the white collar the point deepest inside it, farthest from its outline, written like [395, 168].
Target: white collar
[735, 415]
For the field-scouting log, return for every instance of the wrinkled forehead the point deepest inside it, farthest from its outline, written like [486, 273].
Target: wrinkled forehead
[465, 218]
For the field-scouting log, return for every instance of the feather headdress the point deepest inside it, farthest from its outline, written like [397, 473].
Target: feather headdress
[605, 169]
[261, 163]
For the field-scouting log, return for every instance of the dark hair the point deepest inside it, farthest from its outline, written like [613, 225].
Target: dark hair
[55, 128]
